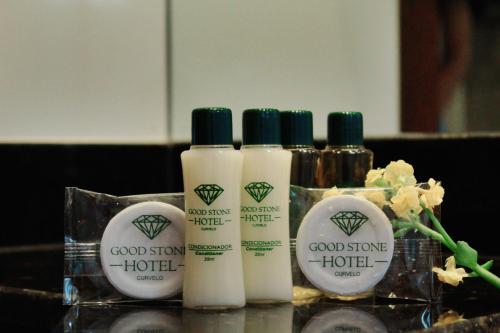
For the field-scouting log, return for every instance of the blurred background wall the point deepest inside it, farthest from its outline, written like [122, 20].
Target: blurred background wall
[131, 71]
[83, 71]
[320, 55]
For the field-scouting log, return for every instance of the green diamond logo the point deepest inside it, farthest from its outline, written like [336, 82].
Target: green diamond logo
[349, 221]
[258, 190]
[151, 225]
[208, 192]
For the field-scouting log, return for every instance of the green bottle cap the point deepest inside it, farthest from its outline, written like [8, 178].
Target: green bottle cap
[296, 128]
[211, 126]
[345, 129]
[261, 127]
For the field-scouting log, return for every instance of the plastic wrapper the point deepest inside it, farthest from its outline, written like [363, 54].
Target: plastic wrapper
[409, 276]
[86, 216]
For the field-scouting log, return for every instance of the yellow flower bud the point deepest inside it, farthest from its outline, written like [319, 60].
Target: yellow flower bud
[452, 275]
[377, 197]
[405, 202]
[433, 196]
[399, 174]
[373, 176]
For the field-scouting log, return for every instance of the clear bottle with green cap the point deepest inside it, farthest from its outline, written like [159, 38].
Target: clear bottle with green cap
[345, 161]
[297, 137]
[213, 272]
[264, 209]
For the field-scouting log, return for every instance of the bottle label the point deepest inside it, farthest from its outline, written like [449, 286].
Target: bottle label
[259, 190]
[260, 247]
[209, 252]
[208, 192]
[259, 215]
[208, 219]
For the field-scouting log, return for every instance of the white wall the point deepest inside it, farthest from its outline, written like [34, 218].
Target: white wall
[322, 55]
[95, 70]
[82, 71]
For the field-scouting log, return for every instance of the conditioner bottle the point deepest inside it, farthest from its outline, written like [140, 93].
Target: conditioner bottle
[213, 273]
[264, 209]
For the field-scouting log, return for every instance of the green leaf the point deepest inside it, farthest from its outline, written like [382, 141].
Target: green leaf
[465, 255]
[487, 265]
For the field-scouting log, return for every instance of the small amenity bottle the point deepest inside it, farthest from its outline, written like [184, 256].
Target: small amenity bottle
[345, 161]
[297, 137]
[213, 272]
[264, 209]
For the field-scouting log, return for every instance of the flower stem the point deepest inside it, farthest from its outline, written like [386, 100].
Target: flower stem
[401, 232]
[487, 265]
[487, 275]
[449, 242]
[415, 224]
[429, 232]
[402, 224]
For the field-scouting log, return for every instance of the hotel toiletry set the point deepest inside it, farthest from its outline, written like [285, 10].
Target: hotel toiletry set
[251, 227]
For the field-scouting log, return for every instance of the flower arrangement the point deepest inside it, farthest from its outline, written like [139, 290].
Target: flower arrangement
[408, 200]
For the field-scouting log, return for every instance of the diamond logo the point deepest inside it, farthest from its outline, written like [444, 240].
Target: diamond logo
[258, 190]
[349, 221]
[208, 192]
[151, 225]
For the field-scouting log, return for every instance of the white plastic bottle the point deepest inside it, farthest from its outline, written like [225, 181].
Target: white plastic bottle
[213, 273]
[264, 209]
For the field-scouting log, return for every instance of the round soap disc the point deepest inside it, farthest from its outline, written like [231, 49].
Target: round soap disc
[142, 250]
[344, 245]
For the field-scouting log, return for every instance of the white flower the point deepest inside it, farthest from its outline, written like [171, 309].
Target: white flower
[433, 196]
[399, 174]
[377, 197]
[374, 177]
[452, 275]
[406, 201]
[334, 191]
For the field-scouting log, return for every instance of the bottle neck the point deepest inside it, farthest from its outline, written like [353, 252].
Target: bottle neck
[299, 147]
[329, 146]
[212, 146]
[262, 146]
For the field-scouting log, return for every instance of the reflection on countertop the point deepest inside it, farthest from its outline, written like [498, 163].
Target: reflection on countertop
[318, 318]
[31, 299]
[322, 317]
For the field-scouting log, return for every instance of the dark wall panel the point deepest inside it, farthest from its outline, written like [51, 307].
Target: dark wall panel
[34, 177]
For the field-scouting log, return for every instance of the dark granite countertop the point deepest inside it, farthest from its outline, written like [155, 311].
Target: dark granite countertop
[31, 300]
